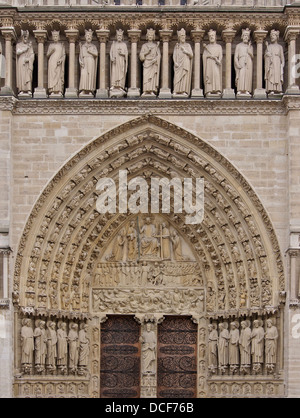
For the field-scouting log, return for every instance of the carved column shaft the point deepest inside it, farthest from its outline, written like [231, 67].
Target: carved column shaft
[291, 35]
[103, 35]
[72, 35]
[9, 36]
[41, 36]
[5, 253]
[294, 283]
[165, 91]
[228, 36]
[197, 36]
[134, 35]
[259, 37]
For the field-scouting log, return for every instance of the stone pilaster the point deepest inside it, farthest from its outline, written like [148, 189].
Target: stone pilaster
[72, 35]
[9, 35]
[259, 92]
[165, 91]
[103, 35]
[197, 36]
[134, 35]
[228, 36]
[290, 36]
[40, 91]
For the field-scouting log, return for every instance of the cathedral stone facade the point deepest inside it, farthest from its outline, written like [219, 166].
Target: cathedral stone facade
[141, 303]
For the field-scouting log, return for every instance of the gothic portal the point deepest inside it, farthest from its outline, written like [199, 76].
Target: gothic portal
[145, 305]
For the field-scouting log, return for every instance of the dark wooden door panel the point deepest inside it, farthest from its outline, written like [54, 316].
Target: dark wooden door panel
[177, 358]
[120, 358]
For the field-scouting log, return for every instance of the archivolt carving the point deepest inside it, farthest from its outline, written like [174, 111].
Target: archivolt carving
[65, 237]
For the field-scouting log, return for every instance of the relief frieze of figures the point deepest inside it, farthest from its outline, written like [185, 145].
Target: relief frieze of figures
[121, 301]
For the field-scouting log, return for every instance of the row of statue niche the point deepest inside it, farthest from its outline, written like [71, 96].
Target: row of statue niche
[236, 350]
[50, 349]
[150, 56]
[153, 242]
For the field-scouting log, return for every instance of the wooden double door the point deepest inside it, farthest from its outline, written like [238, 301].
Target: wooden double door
[121, 358]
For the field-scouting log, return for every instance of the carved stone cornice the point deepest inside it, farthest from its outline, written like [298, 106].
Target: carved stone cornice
[144, 107]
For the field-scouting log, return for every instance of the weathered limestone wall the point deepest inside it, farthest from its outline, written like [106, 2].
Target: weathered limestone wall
[6, 348]
[293, 334]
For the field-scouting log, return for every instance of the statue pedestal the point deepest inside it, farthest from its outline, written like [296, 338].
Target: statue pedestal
[197, 93]
[260, 94]
[102, 94]
[40, 93]
[213, 95]
[133, 92]
[228, 94]
[274, 95]
[25, 95]
[180, 95]
[86, 95]
[243, 96]
[71, 93]
[116, 93]
[165, 94]
[148, 96]
[56, 96]
[7, 91]
[292, 90]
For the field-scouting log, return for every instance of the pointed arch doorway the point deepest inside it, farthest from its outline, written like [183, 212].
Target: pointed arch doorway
[226, 269]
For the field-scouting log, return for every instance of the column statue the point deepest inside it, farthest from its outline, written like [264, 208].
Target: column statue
[212, 349]
[40, 341]
[149, 343]
[150, 56]
[62, 347]
[234, 336]
[118, 66]
[84, 349]
[223, 353]
[56, 66]
[51, 346]
[212, 65]
[27, 345]
[271, 337]
[243, 64]
[25, 59]
[73, 348]
[257, 349]
[245, 347]
[274, 64]
[88, 63]
[183, 64]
